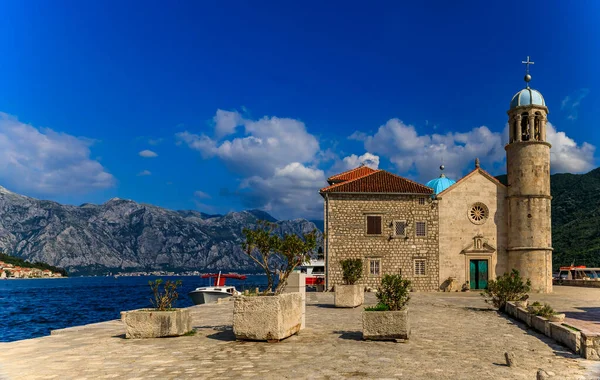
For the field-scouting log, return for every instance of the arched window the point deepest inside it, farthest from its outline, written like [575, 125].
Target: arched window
[514, 135]
[524, 127]
[538, 126]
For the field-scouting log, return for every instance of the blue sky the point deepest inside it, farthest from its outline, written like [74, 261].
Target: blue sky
[253, 104]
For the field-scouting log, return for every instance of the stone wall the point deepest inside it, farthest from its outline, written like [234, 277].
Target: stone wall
[345, 218]
[458, 231]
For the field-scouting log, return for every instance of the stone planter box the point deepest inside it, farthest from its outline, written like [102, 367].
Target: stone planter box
[386, 325]
[269, 318]
[565, 336]
[349, 295]
[541, 324]
[523, 315]
[511, 309]
[150, 323]
[590, 345]
[557, 317]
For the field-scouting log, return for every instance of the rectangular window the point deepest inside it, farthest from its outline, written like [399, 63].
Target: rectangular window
[420, 267]
[373, 225]
[399, 228]
[421, 201]
[375, 267]
[421, 229]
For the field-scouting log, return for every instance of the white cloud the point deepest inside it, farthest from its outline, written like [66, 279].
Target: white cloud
[272, 151]
[201, 194]
[291, 192]
[571, 103]
[147, 154]
[270, 143]
[155, 141]
[421, 155]
[45, 162]
[566, 155]
[226, 122]
[144, 173]
[367, 159]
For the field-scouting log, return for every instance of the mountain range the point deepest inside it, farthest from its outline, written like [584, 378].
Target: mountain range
[122, 235]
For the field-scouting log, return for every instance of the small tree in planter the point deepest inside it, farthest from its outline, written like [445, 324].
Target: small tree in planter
[350, 294]
[389, 319]
[272, 316]
[508, 287]
[162, 320]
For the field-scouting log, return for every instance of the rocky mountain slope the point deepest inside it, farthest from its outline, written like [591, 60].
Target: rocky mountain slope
[122, 235]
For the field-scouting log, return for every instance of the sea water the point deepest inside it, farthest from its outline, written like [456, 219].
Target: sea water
[31, 308]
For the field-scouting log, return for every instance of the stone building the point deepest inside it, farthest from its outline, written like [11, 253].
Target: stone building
[461, 233]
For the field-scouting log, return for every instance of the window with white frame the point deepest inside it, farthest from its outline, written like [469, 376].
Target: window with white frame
[421, 229]
[375, 267]
[399, 228]
[420, 267]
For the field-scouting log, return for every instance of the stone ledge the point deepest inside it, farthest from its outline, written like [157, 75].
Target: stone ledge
[583, 343]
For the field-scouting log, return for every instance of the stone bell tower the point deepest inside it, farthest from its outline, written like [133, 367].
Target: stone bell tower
[528, 170]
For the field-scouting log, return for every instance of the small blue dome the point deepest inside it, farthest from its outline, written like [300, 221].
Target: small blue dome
[526, 97]
[440, 184]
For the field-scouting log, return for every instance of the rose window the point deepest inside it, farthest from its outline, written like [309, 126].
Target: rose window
[478, 213]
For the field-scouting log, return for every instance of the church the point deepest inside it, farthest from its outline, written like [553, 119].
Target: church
[449, 233]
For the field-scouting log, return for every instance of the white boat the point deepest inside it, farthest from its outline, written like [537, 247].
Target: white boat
[208, 294]
[315, 272]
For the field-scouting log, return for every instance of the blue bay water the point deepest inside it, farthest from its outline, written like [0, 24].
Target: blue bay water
[32, 308]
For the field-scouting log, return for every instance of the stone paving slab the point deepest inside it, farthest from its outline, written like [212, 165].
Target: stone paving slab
[454, 336]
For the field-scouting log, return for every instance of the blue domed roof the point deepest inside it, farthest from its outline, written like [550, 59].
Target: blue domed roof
[440, 184]
[526, 97]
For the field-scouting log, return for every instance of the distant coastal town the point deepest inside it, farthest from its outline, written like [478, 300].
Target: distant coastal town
[8, 270]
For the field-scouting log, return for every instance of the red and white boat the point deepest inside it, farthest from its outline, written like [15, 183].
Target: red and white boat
[209, 294]
[315, 272]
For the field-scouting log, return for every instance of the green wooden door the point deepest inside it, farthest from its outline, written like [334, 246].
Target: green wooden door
[478, 274]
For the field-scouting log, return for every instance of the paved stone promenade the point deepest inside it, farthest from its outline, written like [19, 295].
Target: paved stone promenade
[454, 336]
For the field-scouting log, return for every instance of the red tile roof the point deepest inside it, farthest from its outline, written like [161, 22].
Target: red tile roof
[378, 181]
[350, 174]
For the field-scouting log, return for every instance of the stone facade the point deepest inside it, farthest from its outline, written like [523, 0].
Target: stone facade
[462, 238]
[345, 218]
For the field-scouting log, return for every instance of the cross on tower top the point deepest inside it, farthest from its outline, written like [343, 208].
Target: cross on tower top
[527, 76]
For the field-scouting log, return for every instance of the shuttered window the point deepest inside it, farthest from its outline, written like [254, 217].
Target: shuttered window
[373, 225]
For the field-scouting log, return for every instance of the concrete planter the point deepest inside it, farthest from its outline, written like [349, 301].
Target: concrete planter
[541, 324]
[349, 295]
[557, 317]
[590, 345]
[269, 318]
[522, 304]
[386, 325]
[150, 323]
[524, 316]
[565, 336]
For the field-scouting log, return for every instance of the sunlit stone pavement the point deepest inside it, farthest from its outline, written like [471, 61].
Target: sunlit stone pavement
[454, 336]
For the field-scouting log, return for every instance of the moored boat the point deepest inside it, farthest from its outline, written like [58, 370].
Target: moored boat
[208, 294]
[315, 273]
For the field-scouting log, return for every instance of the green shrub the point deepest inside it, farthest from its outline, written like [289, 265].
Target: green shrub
[394, 292]
[378, 307]
[536, 303]
[546, 311]
[163, 299]
[508, 287]
[351, 270]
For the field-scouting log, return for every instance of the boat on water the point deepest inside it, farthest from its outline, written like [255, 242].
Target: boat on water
[208, 294]
[579, 272]
[315, 273]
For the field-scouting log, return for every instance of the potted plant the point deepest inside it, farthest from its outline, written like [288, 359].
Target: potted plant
[272, 315]
[508, 287]
[389, 319]
[350, 294]
[162, 320]
[548, 312]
